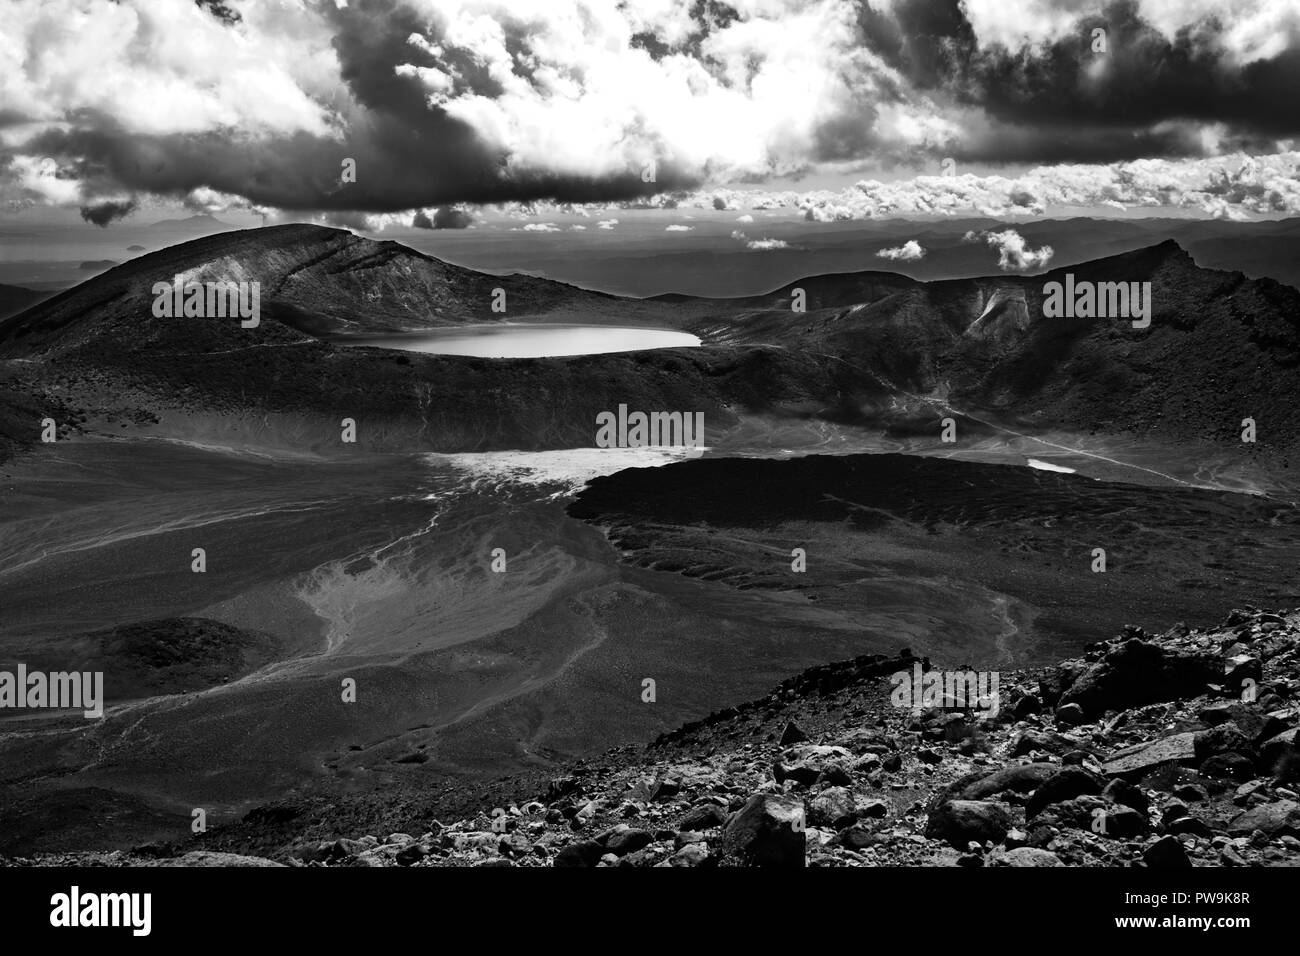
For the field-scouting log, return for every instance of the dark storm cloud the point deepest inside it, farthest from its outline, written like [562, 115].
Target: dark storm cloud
[923, 39]
[449, 217]
[345, 219]
[1147, 79]
[444, 217]
[1062, 102]
[406, 139]
[1045, 103]
[102, 213]
[407, 153]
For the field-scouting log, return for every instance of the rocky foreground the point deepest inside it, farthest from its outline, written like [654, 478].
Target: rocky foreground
[1167, 750]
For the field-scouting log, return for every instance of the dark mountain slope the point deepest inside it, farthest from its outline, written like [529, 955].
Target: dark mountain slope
[1220, 347]
[312, 279]
[14, 299]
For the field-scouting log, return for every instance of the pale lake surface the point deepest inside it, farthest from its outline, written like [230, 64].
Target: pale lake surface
[530, 341]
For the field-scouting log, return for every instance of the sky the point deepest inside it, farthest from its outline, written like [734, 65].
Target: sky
[444, 114]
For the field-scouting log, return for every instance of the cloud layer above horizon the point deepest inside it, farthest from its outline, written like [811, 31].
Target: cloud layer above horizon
[441, 103]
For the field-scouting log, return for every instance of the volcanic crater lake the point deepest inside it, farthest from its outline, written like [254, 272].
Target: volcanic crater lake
[529, 341]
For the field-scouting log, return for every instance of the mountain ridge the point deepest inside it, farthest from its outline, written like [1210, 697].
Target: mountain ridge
[1221, 348]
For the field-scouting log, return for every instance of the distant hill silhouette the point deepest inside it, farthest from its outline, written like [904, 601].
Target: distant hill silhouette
[14, 299]
[197, 222]
[726, 268]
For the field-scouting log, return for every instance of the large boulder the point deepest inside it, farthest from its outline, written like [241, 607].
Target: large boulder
[1127, 794]
[1276, 748]
[792, 734]
[767, 831]
[693, 854]
[582, 853]
[1027, 741]
[1137, 672]
[1166, 853]
[706, 816]
[1241, 668]
[1253, 721]
[805, 763]
[213, 858]
[623, 839]
[1119, 822]
[1279, 818]
[1140, 758]
[1065, 784]
[833, 807]
[1078, 813]
[1223, 739]
[1027, 856]
[980, 785]
[958, 822]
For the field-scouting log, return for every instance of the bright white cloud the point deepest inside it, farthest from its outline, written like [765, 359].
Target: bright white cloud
[759, 245]
[907, 252]
[586, 101]
[1014, 254]
[160, 67]
[1229, 186]
[38, 176]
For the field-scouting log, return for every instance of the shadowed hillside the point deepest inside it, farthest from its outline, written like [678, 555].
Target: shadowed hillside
[14, 299]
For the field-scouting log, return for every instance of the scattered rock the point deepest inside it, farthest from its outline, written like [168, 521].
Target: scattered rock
[886, 787]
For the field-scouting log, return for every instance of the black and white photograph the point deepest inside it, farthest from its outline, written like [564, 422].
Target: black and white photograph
[732, 435]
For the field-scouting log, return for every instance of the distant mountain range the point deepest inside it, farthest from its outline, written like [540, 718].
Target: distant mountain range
[1221, 347]
[709, 262]
[200, 222]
